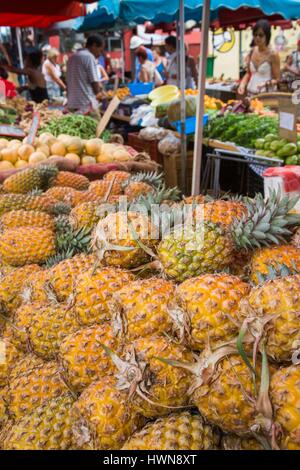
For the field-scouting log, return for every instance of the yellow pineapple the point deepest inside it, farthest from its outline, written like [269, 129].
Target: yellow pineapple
[12, 286]
[145, 308]
[62, 194]
[23, 218]
[84, 215]
[3, 413]
[33, 388]
[63, 276]
[117, 175]
[27, 363]
[135, 189]
[37, 288]
[211, 303]
[153, 386]
[273, 257]
[49, 325]
[103, 417]
[179, 431]
[223, 212]
[48, 427]
[16, 331]
[115, 239]
[82, 359]
[70, 180]
[29, 179]
[285, 397]
[103, 188]
[9, 354]
[27, 245]
[272, 315]
[9, 202]
[233, 442]
[94, 290]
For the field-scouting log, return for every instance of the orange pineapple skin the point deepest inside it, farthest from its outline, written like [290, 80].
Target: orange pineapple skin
[144, 307]
[84, 215]
[23, 218]
[94, 290]
[11, 355]
[234, 442]
[219, 211]
[271, 256]
[106, 416]
[179, 431]
[285, 397]
[281, 299]
[70, 180]
[101, 187]
[33, 388]
[10, 202]
[168, 385]
[221, 400]
[27, 245]
[82, 358]
[12, 285]
[211, 302]
[117, 175]
[63, 276]
[135, 189]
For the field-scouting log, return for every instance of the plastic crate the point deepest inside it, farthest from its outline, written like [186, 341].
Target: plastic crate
[140, 88]
[148, 146]
[190, 124]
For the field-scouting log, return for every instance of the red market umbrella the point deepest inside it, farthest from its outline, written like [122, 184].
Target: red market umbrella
[20, 13]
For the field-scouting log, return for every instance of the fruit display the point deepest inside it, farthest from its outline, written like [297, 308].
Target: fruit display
[121, 93]
[16, 154]
[273, 146]
[134, 319]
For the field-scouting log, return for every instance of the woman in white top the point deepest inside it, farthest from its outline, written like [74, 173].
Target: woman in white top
[52, 73]
[263, 64]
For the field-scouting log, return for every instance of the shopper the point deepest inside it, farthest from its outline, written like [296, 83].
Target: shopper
[83, 81]
[191, 76]
[160, 61]
[262, 64]
[292, 64]
[135, 43]
[148, 72]
[52, 73]
[36, 85]
[9, 87]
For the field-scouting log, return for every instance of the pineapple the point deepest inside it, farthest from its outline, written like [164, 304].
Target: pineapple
[116, 239]
[272, 313]
[29, 179]
[210, 247]
[50, 324]
[211, 302]
[200, 199]
[225, 393]
[3, 414]
[28, 363]
[233, 442]
[285, 396]
[9, 202]
[221, 211]
[179, 431]
[70, 180]
[84, 215]
[135, 189]
[103, 188]
[145, 308]
[27, 245]
[63, 275]
[37, 288]
[32, 388]
[8, 356]
[62, 194]
[16, 331]
[154, 387]
[12, 285]
[94, 290]
[47, 427]
[117, 176]
[103, 417]
[273, 257]
[83, 360]
[23, 218]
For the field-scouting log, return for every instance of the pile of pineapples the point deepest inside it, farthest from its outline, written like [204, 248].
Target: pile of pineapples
[181, 339]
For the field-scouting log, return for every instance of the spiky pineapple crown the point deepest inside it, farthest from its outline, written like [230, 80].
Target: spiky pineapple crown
[266, 222]
[153, 178]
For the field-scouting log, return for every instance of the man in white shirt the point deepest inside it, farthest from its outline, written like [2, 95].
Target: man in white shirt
[171, 72]
[293, 62]
[83, 86]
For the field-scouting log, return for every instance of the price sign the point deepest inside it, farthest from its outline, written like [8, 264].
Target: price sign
[35, 124]
[11, 131]
[288, 113]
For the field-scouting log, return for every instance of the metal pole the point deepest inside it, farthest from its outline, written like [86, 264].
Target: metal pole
[200, 105]
[182, 88]
[18, 34]
[178, 53]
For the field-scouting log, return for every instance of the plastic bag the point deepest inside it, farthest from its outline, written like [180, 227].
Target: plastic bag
[153, 133]
[139, 114]
[169, 145]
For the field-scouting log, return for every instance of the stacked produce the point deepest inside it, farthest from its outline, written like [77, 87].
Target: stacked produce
[121, 93]
[273, 146]
[124, 331]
